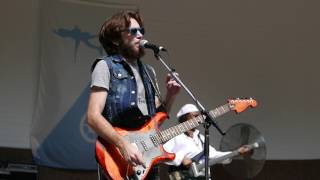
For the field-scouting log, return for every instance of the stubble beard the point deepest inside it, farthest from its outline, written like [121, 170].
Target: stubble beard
[128, 51]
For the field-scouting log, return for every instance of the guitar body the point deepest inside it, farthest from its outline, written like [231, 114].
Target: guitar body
[116, 167]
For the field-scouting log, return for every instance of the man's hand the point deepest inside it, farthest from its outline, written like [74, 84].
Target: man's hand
[173, 87]
[243, 150]
[186, 162]
[131, 154]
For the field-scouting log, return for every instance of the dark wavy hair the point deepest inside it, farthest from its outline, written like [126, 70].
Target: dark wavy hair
[112, 28]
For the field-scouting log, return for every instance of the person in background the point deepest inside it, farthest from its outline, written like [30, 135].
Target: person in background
[189, 147]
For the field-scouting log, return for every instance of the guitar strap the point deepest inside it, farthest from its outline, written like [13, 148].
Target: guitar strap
[151, 76]
[201, 154]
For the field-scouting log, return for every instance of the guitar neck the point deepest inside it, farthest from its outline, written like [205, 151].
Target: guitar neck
[171, 132]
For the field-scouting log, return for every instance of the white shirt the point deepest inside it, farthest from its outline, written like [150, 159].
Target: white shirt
[185, 146]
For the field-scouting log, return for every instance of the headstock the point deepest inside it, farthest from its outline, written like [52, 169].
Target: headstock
[240, 105]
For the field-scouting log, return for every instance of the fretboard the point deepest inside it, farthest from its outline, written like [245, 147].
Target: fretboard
[171, 132]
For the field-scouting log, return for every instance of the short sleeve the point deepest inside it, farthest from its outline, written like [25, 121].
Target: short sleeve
[100, 76]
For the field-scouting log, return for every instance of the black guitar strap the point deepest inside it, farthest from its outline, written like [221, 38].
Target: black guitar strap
[151, 76]
[201, 154]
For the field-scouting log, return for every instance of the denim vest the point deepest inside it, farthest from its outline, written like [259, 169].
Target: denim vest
[121, 108]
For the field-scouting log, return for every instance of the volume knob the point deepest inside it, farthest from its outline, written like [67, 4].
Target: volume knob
[138, 172]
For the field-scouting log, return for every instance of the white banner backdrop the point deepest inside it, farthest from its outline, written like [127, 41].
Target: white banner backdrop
[60, 135]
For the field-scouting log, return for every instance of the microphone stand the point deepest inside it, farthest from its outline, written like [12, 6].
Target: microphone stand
[208, 118]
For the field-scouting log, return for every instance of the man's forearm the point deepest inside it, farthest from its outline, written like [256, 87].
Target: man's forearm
[168, 102]
[105, 130]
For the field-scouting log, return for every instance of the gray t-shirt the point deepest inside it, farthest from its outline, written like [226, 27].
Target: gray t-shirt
[100, 77]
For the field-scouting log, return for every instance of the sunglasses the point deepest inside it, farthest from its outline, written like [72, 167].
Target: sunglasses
[134, 31]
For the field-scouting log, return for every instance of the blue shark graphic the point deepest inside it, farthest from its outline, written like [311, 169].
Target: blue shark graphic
[78, 36]
[71, 143]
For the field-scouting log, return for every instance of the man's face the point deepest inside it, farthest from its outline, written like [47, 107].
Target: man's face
[189, 117]
[130, 45]
[193, 115]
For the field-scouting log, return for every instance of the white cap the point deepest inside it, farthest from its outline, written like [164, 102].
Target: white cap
[188, 108]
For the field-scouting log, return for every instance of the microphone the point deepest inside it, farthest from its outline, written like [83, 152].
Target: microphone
[145, 44]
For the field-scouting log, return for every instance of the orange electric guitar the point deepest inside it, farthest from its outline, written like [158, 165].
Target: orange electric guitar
[149, 141]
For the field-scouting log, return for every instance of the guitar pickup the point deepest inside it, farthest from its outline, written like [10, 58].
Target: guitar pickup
[154, 140]
[144, 145]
